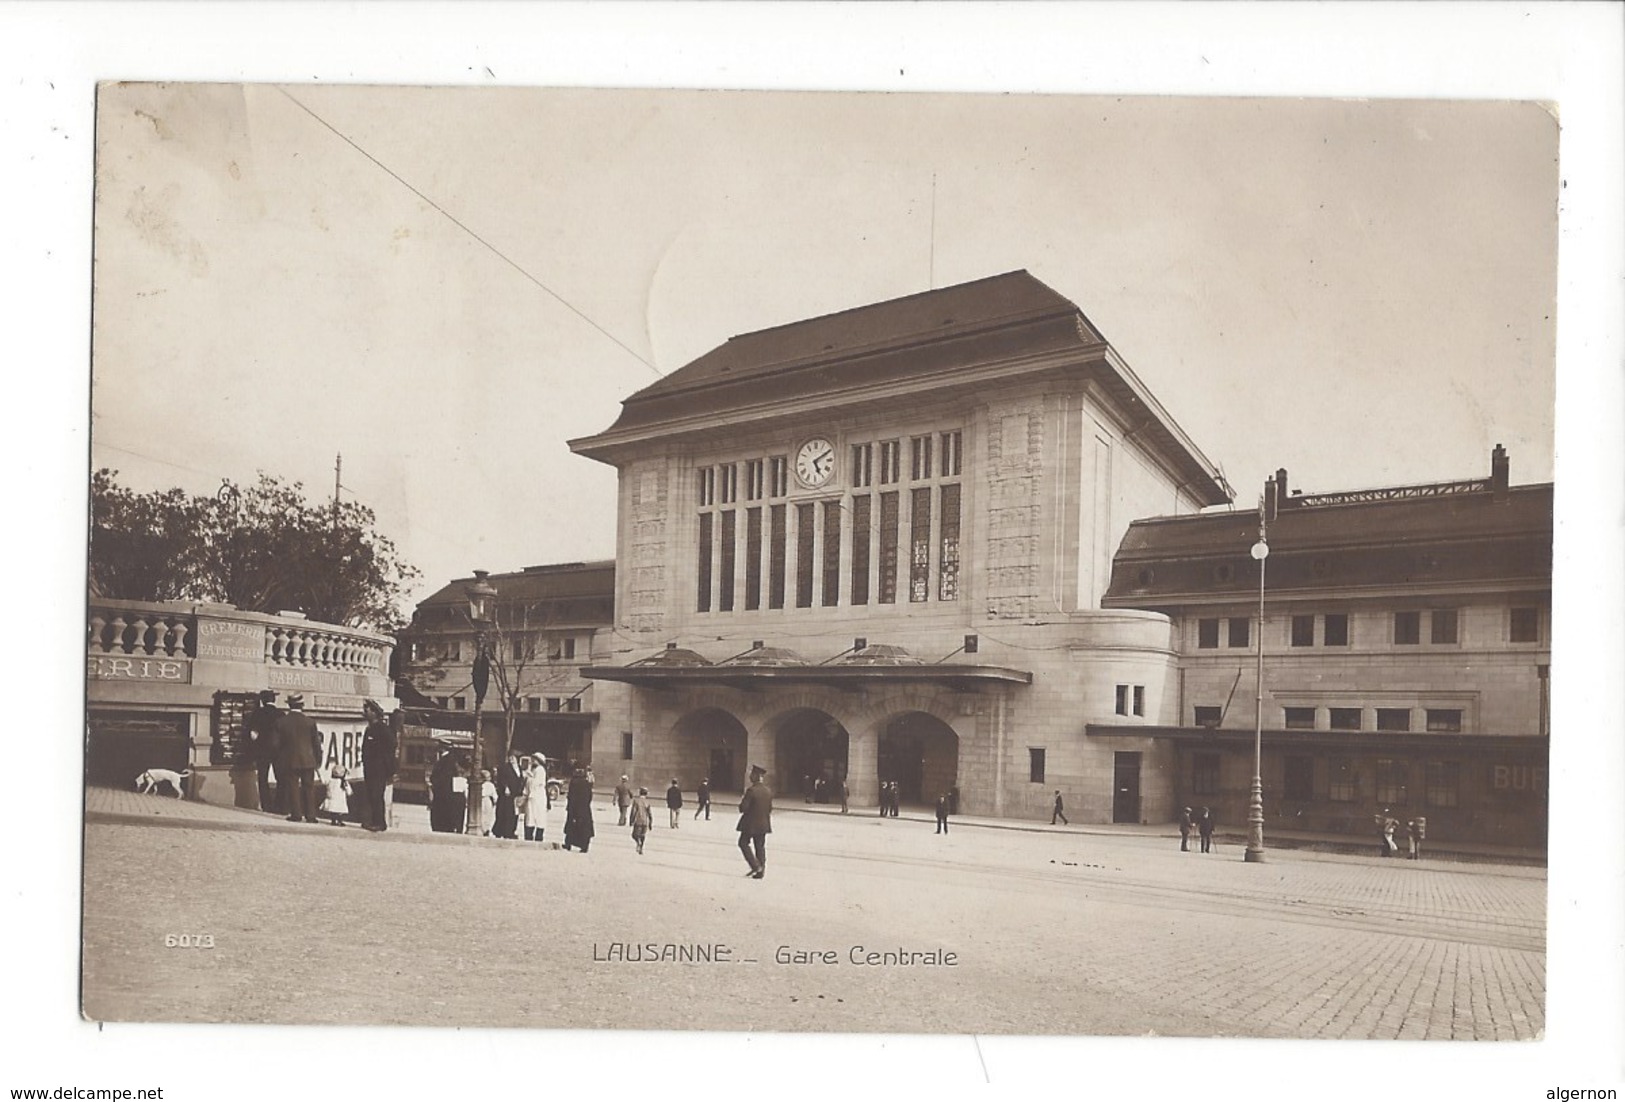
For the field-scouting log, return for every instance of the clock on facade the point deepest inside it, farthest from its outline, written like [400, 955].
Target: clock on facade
[815, 462]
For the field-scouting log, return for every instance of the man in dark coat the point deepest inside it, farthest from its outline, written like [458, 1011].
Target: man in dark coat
[262, 748]
[756, 822]
[377, 765]
[296, 740]
[578, 828]
[674, 804]
[1185, 824]
[703, 796]
[942, 813]
[1060, 810]
[443, 817]
[510, 783]
[1204, 827]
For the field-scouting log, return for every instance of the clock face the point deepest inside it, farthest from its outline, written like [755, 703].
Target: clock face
[815, 462]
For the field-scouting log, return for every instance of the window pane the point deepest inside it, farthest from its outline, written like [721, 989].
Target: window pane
[919, 570]
[725, 586]
[1337, 630]
[1240, 631]
[1345, 719]
[804, 555]
[1407, 628]
[1444, 719]
[1393, 719]
[1207, 633]
[948, 565]
[753, 558]
[1443, 783]
[1035, 765]
[776, 557]
[888, 547]
[703, 565]
[1207, 715]
[832, 552]
[1526, 625]
[1303, 631]
[1345, 781]
[861, 537]
[1392, 776]
[1139, 700]
[1300, 719]
[1444, 625]
[1122, 700]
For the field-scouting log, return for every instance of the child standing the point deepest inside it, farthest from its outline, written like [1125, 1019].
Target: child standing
[641, 819]
[336, 804]
[487, 795]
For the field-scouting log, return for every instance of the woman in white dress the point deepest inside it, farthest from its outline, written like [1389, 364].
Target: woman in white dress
[533, 799]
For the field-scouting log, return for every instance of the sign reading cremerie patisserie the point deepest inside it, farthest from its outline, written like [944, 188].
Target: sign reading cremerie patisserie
[232, 640]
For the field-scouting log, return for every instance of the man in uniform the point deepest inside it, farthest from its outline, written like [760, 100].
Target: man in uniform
[377, 764]
[296, 740]
[756, 822]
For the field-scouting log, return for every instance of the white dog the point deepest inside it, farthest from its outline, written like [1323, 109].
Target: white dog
[150, 779]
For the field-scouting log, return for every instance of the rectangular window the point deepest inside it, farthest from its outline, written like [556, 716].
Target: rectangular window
[1526, 625]
[779, 476]
[860, 550]
[948, 565]
[1345, 719]
[704, 564]
[1444, 626]
[1300, 719]
[554, 703]
[804, 555]
[919, 562]
[708, 486]
[725, 584]
[832, 553]
[533, 704]
[950, 454]
[1407, 628]
[1240, 631]
[1444, 720]
[728, 481]
[888, 548]
[1443, 783]
[1139, 700]
[1122, 700]
[753, 558]
[1207, 633]
[890, 461]
[1035, 765]
[1393, 719]
[1392, 776]
[1303, 631]
[1204, 774]
[626, 745]
[1345, 781]
[1300, 779]
[755, 480]
[863, 456]
[458, 704]
[1336, 630]
[775, 556]
[1208, 715]
[919, 466]
[569, 647]
[573, 704]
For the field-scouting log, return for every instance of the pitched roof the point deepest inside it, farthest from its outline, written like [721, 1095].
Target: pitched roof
[936, 338]
[536, 583]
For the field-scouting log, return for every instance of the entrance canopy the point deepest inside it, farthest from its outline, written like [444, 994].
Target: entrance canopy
[763, 668]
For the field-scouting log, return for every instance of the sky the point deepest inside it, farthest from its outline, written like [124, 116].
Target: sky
[1354, 289]
[444, 285]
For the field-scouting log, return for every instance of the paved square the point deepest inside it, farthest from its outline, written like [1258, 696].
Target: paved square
[1052, 932]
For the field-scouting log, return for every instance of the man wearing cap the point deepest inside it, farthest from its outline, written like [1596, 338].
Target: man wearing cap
[756, 822]
[377, 764]
[296, 744]
[262, 750]
[623, 797]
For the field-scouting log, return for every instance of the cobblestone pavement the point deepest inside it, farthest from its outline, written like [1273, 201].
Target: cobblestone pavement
[1053, 932]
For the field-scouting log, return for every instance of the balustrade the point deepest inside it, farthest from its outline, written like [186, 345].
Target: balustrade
[135, 628]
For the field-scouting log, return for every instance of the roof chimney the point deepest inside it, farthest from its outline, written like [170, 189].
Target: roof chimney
[1500, 471]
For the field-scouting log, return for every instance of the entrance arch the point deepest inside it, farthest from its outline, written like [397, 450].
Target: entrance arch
[711, 743]
[809, 746]
[921, 753]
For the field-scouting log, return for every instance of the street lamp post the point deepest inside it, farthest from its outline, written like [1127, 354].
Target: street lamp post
[480, 595]
[1255, 803]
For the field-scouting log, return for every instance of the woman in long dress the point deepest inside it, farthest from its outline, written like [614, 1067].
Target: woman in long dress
[578, 829]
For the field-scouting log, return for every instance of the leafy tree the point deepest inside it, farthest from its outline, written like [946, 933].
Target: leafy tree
[263, 548]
